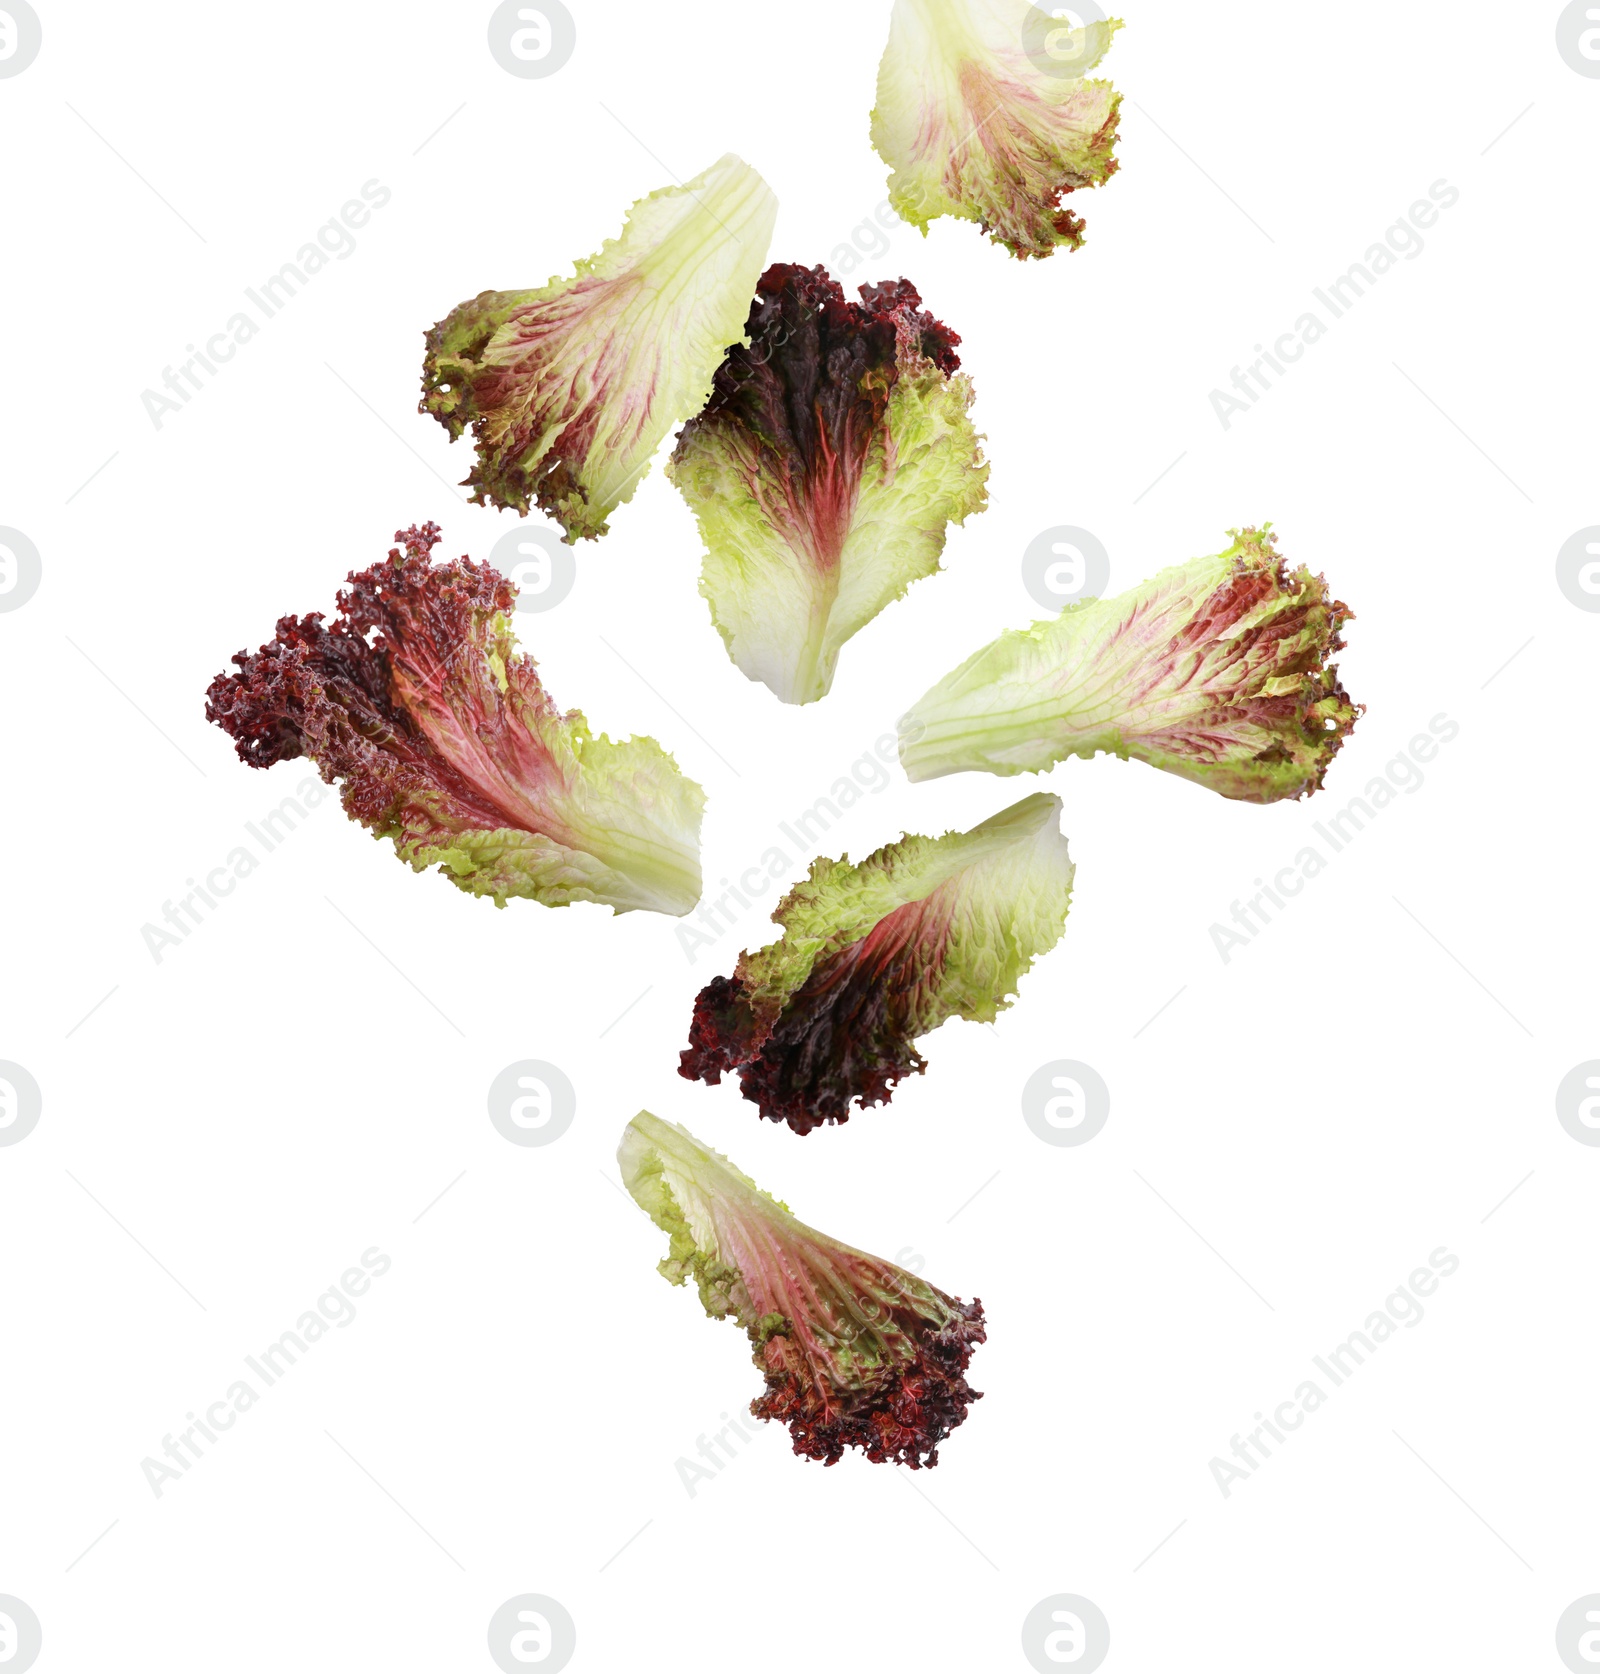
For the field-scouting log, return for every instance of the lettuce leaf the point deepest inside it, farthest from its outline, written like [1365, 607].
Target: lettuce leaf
[833, 452]
[570, 388]
[415, 700]
[1216, 670]
[983, 113]
[856, 1352]
[874, 955]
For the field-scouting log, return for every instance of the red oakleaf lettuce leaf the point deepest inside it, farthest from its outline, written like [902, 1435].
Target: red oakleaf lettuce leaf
[832, 455]
[415, 700]
[876, 954]
[985, 111]
[856, 1351]
[569, 388]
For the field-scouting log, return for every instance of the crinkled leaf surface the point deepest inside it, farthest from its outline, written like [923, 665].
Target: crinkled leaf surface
[877, 954]
[415, 701]
[1216, 670]
[856, 1351]
[835, 450]
[570, 388]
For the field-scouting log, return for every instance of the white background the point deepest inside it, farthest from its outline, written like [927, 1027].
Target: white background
[278, 1095]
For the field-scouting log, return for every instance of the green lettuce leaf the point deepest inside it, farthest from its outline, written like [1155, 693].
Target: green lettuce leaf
[1215, 670]
[983, 113]
[570, 388]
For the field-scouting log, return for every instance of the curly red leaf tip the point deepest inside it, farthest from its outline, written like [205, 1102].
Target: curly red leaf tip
[846, 1036]
[900, 1418]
